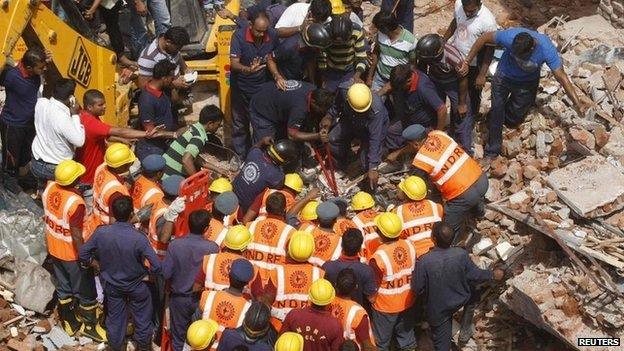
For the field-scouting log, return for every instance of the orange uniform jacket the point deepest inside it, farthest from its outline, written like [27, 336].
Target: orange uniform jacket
[157, 212]
[418, 218]
[59, 205]
[326, 247]
[224, 308]
[216, 231]
[449, 166]
[292, 282]
[270, 237]
[365, 221]
[395, 261]
[145, 192]
[340, 227]
[290, 200]
[105, 184]
[350, 315]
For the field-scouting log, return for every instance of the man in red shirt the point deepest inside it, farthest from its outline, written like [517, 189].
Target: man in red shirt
[320, 330]
[97, 133]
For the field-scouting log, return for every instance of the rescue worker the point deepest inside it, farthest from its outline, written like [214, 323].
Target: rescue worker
[263, 169]
[342, 222]
[515, 83]
[289, 341]
[121, 251]
[182, 263]
[293, 184]
[288, 284]
[415, 100]
[363, 116]
[393, 263]
[270, 235]
[215, 268]
[353, 317]
[308, 217]
[442, 61]
[217, 187]
[201, 334]
[281, 109]
[224, 208]
[146, 189]
[228, 307]
[64, 211]
[417, 213]
[255, 334]
[326, 241]
[250, 46]
[363, 204]
[320, 330]
[457, 176]
[366, 286]
[164, 214]
[109, 184]
[445, 278]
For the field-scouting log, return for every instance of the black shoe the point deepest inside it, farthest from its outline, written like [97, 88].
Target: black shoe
[69, 322]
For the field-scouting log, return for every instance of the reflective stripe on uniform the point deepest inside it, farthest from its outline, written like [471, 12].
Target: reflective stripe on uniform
[454, 168]
[148, 194]
[348, 328]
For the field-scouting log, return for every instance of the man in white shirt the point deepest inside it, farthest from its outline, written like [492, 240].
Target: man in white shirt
[290, 23]
[58, 130]
[472, 19]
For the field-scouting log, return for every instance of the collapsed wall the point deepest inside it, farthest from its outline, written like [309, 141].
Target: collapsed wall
[612, 11]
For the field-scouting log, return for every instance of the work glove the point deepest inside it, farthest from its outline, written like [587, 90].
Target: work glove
[174, 210]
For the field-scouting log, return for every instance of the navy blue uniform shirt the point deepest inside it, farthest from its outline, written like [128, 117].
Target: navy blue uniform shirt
[184, 259]
[420, 103]
[258, 173]
[371, 125]
[121, 250]
[443, 277]
[232, 338]
[289, 107]
[366, 279]
[21, 91]
[155, 106]
[245, 49]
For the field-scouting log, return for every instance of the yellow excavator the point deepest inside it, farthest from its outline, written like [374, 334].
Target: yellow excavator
[77, 56]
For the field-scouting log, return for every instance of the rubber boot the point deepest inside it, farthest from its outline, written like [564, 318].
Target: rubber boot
[70, 323]
[91, 327]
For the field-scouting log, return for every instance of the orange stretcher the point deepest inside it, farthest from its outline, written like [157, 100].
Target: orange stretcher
[195, 188]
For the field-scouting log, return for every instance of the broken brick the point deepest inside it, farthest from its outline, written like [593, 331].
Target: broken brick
[584, 137]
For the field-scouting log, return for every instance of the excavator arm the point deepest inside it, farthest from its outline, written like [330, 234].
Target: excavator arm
[74, 56]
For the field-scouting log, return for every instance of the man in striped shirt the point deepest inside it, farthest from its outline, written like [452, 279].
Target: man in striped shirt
[165, 47]
[395, 46]
[346, 57]
[181, 156]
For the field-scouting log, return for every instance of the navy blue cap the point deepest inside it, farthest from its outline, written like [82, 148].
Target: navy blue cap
[327, 211]
[415, 132]
[241, 270]
[226, 203]
[342, 204]
[171, 185]
[153, 163]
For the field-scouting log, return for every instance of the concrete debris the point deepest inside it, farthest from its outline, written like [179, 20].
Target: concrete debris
[57, 338]
[592, 187]
[30, 282]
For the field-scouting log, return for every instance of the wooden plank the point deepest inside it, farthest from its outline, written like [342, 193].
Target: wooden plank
[601, 256]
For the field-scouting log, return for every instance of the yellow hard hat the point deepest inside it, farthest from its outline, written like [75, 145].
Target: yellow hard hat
[301, 246]
[308, 212]
[322, 292]
[237, 238]
[289, 341]
[362, 201]
[200, 333]
[337, 7]
[389, 224]
[414, 187]
[118, 154]
[293, 181]
[220, 185]
[68, 171]
[359, 97]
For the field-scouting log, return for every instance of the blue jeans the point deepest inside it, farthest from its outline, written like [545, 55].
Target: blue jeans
[400, 325]
[138, 29]
[511, 102]
[461, 128]
[43, 171]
